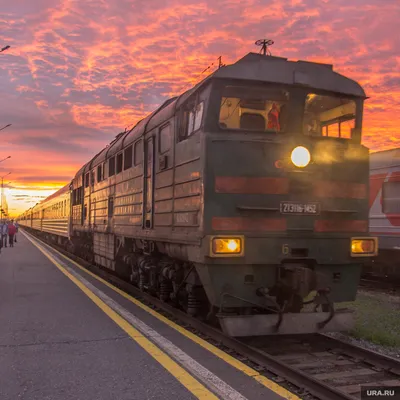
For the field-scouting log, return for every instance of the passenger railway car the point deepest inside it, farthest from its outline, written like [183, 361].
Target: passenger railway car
[242, 200]
[385, 212]
[51, 215]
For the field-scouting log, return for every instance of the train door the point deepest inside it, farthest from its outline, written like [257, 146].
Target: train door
[148, 192]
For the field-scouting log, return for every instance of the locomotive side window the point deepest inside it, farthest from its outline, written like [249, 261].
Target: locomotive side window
[190, 119]
[329, 116]
[111, 166]
[76, 197]
[119, 163]
[87, 179]
[253, 108]
[99, 173]
[391, 197]
[165, 139]
[138, 152]
[195, 117]
[128, 157]
[104, 171]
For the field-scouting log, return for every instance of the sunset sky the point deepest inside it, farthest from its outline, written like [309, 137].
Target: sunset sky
[79, 71]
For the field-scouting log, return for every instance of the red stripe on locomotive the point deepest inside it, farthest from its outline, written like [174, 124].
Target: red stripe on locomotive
[262, 185]
[249, 224]
[268, 185]
[335, 225]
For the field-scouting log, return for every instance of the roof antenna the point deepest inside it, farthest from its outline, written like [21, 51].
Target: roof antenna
[264, 43]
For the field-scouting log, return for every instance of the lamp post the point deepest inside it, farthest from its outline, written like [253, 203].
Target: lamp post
[4, 127]
[2, 185]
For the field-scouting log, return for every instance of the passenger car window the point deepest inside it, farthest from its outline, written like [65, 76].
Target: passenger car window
[329, 116]
[165, 138]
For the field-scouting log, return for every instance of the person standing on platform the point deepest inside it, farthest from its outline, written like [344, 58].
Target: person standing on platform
[16, 231]
[11, 232]
[4, 233]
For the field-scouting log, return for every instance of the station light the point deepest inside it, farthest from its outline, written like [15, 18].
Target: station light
[227, 246]
[300, 157]
[364, 247]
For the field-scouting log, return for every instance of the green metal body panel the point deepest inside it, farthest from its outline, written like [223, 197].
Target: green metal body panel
[231, 278]
[250, 156]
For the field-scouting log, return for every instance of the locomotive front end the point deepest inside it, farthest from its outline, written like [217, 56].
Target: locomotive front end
[286, 205]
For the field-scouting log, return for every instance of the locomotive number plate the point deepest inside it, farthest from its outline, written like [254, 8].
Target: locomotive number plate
[290, 207]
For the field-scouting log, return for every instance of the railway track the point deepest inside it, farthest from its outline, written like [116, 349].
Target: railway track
[381, 276]
[313, 366]
[390, 285]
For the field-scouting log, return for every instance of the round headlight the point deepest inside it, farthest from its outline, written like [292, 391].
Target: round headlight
[300, 157]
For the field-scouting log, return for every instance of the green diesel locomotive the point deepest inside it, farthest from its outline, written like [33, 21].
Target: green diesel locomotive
[244, 200]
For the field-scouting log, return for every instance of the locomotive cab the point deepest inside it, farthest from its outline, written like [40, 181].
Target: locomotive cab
[285, 196]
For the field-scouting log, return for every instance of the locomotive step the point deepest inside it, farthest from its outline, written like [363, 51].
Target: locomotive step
[301, 323]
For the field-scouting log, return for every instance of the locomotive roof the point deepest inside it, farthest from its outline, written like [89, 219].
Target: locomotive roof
[252, 67]
[257, 67]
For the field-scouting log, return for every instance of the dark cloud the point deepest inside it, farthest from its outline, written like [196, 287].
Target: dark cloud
[45, 143]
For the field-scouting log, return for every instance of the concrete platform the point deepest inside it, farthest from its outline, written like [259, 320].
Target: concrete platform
[66, 335]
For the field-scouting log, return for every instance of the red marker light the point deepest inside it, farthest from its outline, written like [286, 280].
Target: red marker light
[278, 164]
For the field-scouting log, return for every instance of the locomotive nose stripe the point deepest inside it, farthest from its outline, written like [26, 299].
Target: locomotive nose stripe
[280, 225]
[341, 226]
[260, 185]
[249, 224]
[271, 185]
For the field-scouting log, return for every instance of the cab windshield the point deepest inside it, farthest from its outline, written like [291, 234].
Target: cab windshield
[254, 109]
[329, 116]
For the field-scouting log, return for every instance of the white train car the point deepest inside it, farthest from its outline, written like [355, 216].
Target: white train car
[384, 216]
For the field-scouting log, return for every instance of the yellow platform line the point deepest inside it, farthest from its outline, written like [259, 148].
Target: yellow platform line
[187, 380]
[201, 342]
